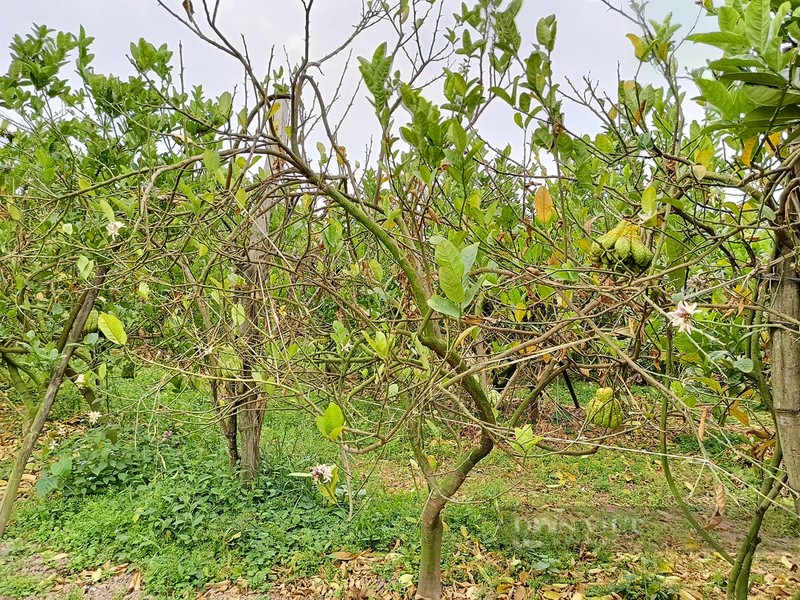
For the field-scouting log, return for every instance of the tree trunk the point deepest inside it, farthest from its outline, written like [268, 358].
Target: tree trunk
[73, 331]
[786, 374]
[430, 560]
[250, 419]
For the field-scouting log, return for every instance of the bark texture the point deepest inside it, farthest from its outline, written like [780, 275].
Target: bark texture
[786, 374]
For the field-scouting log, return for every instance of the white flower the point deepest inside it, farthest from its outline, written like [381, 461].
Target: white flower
[681, 317]
[94, 416]
[322, 473]
[80, 379]
[113, 227]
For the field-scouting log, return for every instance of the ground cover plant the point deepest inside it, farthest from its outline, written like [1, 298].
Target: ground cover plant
[233, 355]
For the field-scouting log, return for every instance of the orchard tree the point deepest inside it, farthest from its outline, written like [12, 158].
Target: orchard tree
[444, 271]
[435, 290]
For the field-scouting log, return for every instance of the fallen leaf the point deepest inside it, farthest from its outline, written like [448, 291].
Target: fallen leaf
[135, 582]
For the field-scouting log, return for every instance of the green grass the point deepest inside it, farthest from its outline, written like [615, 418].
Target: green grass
[180, 517]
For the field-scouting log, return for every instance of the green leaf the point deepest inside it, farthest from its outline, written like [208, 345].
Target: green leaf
[458, 136]
[524, 440]
[106, 209]
[468, 256]
[331, 422]
[332, 236]
[85, 266]
[768, 79]
[380, 344]
[444, 306]
[757, 21]
[745, 365]
[211, 160]
[225, 103]
[720, 39]
[545, 32]
[376, 75]
[451, 270]
[112, 328]
[762, 95]
[649, 205]
[718, 95]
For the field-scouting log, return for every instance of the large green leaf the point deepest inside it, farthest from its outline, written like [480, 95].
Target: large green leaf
[331, 422]
[768, 79]
[720, 39]
[444, 306]
[718, 95]
[757, 21]
[112, 328]
[451, 270]
[762, 95]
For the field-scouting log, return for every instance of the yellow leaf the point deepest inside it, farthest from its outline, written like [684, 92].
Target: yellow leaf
[738, 414]
[464, 335]
[612, 114]
[747, 151]
[699, 171]
[639, 47]
[14, 212]
[704, 157]
[543, 203]
[773, 141]
[551, 595]
[519, 311]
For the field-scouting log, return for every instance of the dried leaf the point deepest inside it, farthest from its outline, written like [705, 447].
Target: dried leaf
[189, 8]
[701, 429]
[543, 204]
[719, 509]
[135, 582]
[738, 414]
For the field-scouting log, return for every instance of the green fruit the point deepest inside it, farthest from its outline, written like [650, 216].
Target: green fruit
[605, 394]
[605, 412]
[622, 247]
[595, 251]
[641, 253]
[91, 322]
[610, 238]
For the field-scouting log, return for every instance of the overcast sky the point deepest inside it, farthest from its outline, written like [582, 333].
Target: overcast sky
[591, 39]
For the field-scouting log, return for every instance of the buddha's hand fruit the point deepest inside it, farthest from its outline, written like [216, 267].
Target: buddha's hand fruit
[604, 410]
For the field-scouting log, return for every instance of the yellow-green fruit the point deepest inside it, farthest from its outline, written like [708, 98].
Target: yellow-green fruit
[610, 238]
[622, 247]
[595, 250]
[605, 394]
[605, 412]
[91, 322]
[641, 253]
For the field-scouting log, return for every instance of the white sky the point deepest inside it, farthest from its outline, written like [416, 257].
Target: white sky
[591, 39]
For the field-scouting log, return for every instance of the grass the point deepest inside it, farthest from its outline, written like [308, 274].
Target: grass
[179, 517]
